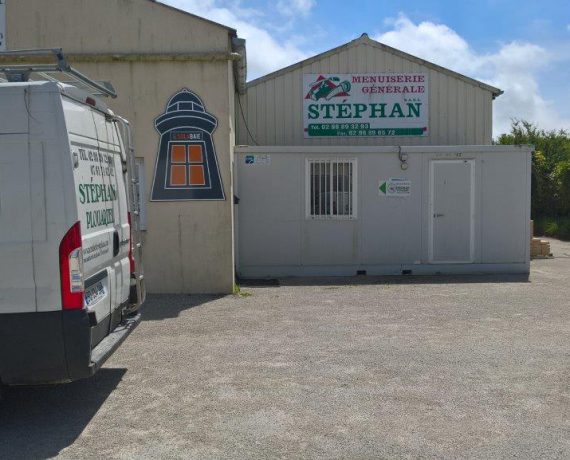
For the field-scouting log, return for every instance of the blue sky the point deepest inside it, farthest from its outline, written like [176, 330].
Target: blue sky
[523, 47]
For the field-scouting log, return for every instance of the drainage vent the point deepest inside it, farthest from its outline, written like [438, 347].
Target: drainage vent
[361, 272]
[406, 272]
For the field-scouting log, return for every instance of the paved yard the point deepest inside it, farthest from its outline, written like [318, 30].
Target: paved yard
[334, 368]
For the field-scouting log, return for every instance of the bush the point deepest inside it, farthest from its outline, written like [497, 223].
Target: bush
[539, 227]
[550, 183]
[551, 228]
[559, 228]
[564, 229]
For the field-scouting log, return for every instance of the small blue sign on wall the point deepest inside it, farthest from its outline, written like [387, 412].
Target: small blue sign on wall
[258, 159]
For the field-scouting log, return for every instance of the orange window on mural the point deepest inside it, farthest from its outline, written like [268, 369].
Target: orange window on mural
[187, 165]
[178, 153]
[195, 154]
[178, 175]
[196, 160]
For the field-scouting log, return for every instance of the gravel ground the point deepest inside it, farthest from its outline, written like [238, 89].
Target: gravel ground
[440, 367]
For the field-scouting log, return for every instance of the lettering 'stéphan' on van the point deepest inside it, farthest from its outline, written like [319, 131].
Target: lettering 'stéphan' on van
[71, 278]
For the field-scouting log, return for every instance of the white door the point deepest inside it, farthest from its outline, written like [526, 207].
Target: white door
[451, 211]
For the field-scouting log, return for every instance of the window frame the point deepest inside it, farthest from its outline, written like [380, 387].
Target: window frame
[353, 194]
[188, 164]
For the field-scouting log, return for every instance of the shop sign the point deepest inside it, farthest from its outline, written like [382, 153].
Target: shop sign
[365, 105]
[186, 163]
[395, 187]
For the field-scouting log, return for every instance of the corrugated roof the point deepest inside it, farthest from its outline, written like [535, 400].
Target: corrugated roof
[366, 40]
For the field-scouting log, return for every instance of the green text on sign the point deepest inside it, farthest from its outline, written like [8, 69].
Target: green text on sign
[359, 129]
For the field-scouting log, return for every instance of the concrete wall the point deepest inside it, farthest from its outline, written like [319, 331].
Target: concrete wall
[389, 234]
[110, 26]
[189, 244]
[460, 110]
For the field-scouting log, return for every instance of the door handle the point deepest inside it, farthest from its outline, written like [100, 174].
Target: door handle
[438, 215]
[115, 243]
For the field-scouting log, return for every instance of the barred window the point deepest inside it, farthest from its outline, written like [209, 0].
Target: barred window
[331, 189]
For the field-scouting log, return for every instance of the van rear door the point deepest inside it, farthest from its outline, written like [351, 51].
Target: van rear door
[95, 212]
[115, 176]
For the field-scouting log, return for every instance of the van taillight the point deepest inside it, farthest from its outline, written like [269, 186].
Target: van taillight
[71, 269]
[131, 257]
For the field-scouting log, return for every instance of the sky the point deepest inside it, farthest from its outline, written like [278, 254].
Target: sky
[521, 47]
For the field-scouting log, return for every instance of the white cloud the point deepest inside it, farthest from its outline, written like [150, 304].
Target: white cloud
[264, 52]
[514, 68]
[295, 7]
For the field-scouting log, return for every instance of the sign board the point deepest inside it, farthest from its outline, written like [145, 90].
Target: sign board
[258, 159]
[365, 105]
[2, 25]
[186, 164]
[395, 187]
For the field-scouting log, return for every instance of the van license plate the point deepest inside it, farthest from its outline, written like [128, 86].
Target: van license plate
[94, 293]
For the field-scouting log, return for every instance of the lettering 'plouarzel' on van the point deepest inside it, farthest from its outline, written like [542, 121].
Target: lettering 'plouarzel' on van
[186, 165]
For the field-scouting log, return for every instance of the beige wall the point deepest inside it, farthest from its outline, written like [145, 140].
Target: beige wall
[189, 244]
[460, 113]
[109, 26]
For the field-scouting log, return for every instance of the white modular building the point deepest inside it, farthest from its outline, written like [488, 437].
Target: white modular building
[366, 160]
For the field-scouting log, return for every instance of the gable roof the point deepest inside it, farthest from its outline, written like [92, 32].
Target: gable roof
[366, 40]
[231, 31]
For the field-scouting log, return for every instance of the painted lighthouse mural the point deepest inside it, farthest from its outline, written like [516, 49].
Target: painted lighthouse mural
[186, 164]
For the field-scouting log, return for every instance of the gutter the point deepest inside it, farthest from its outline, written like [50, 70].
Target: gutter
[240, 65]
[131, 57]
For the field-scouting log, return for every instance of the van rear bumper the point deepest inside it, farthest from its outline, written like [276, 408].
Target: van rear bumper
[51, 347]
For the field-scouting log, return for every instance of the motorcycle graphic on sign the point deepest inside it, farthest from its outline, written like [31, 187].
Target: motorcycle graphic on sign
[186, 164]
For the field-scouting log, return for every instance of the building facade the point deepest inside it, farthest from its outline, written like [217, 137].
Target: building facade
[367, 160]
[362, 159]
[176, 76]
[460, 109]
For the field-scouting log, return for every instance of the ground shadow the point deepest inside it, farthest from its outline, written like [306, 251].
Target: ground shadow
[398, 279]
[163, 306]
[263, 282]
[38, 422]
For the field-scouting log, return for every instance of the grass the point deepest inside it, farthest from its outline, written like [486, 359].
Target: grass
[239, 292]
[555, 227]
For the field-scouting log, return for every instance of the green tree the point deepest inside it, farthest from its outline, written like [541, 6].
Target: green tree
[550, 168]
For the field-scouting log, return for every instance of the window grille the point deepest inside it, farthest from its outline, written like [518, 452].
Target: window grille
[331, 189]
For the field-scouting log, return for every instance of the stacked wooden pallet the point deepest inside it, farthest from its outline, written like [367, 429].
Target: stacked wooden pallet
[539, 249]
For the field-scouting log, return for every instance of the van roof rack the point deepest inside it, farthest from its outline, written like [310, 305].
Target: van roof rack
[14, 68]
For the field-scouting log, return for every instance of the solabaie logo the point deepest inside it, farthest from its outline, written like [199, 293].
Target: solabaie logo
[327, 88]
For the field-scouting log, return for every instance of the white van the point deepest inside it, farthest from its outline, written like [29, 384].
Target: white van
[70, 286]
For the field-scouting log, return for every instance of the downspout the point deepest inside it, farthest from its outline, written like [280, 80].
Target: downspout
[240, 64]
